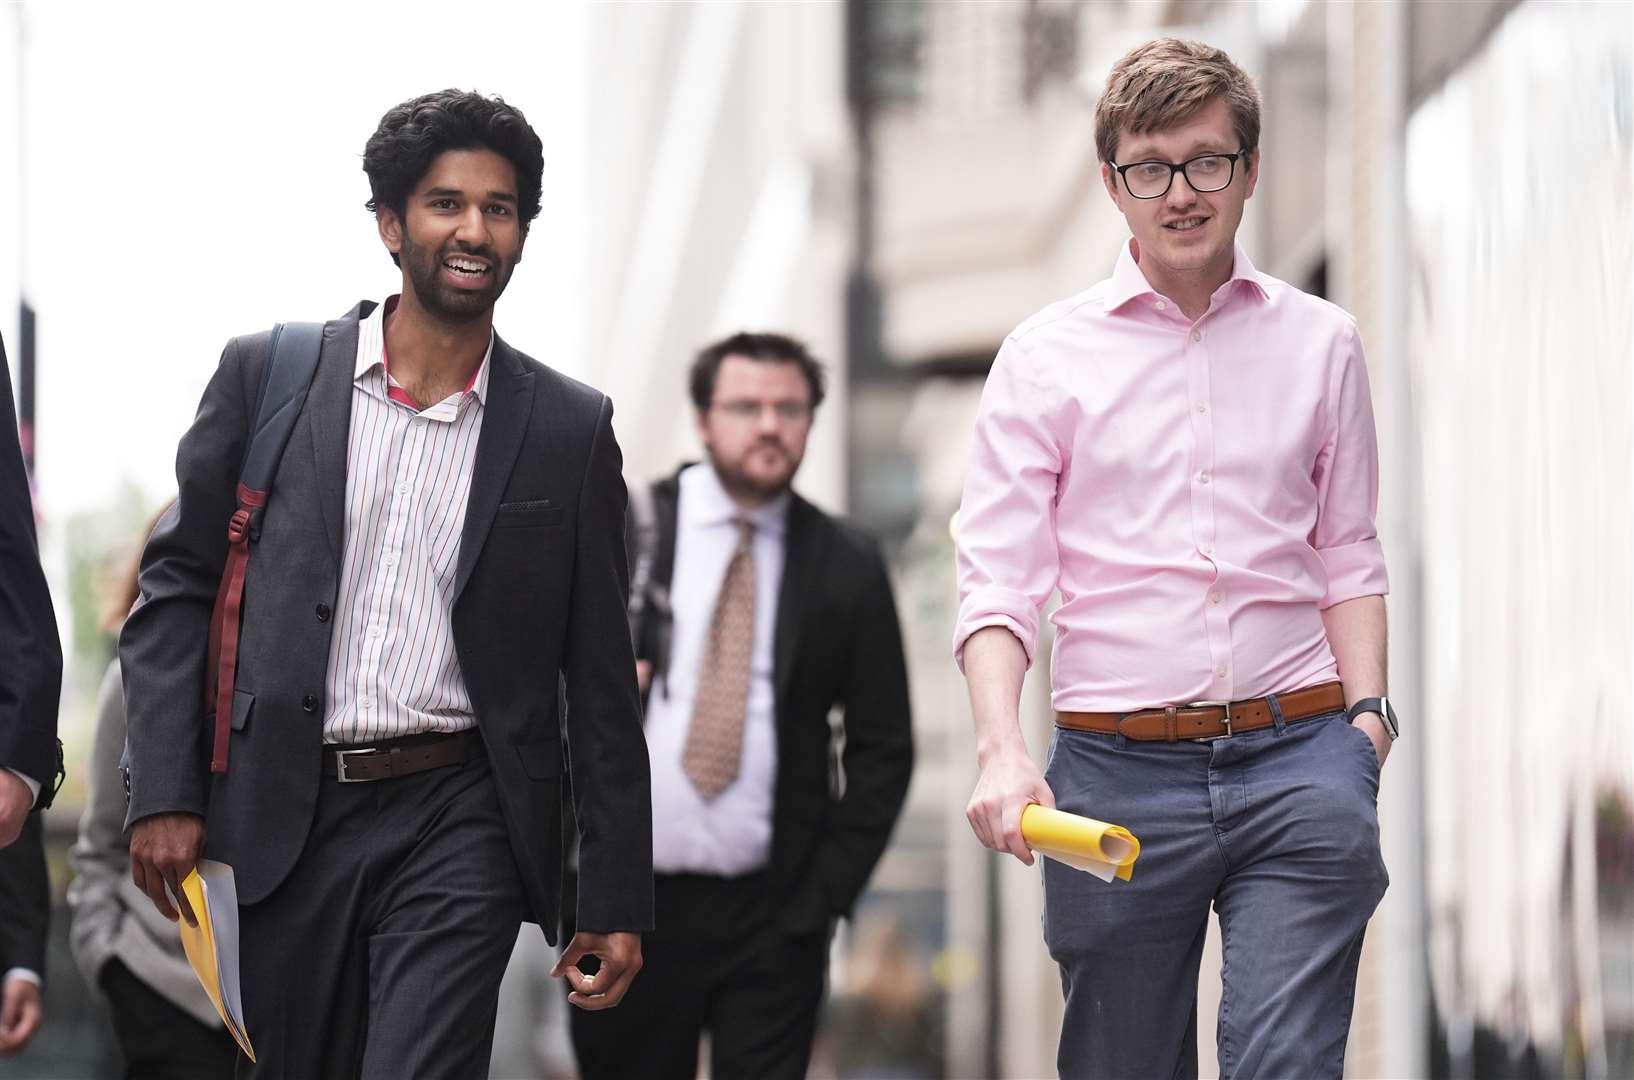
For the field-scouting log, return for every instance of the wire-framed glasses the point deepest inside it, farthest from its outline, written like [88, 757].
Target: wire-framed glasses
[1205, 173]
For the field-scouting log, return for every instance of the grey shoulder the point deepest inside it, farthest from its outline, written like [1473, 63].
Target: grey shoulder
[570, 392]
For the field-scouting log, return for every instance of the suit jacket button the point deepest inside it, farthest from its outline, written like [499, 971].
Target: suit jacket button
[310, 703]
[323, 612]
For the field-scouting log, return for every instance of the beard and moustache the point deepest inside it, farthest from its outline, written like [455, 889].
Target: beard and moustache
[443, 300]
[737, 481]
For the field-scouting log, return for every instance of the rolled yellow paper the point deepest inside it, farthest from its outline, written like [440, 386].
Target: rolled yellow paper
[1077, 840]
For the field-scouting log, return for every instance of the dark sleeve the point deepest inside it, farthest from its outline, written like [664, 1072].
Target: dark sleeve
[164, 641]
[607, 749]
[31, 668]
[25, 900]
[878, 757]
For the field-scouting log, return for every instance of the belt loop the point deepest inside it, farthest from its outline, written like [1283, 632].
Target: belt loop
[1171, 724]
[1276, 713]
[1119, 739]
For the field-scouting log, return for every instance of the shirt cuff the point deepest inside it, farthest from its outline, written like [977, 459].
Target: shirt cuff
[996, 606]
[23, 973]
[1354, 570]
[33, 784]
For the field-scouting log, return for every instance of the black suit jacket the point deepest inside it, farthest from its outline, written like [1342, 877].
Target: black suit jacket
[30, 653]
[541, 587]
[837, 644]
[25, 901]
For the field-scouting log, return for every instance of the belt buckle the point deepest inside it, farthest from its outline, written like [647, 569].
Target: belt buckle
[340, 764]
[1225, 705]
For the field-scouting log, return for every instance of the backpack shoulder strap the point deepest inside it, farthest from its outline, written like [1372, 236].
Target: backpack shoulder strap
[292, 360]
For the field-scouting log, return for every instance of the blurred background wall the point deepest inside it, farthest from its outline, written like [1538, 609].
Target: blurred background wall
[903, 182]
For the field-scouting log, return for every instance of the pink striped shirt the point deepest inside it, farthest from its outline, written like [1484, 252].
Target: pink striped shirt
[392, 668]
[1198, 491]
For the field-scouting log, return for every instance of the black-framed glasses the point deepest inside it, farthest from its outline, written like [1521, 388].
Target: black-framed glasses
[1205, 173]
[749, 412]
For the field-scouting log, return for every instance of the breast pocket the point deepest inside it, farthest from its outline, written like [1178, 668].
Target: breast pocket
[528, 514]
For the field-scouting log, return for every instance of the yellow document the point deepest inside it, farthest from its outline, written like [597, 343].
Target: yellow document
[212, 946]
[1107, 851]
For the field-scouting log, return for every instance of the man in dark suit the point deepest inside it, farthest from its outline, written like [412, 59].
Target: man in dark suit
[30, 681]
[757, 616]
[440, 558]
[25, 916]
[31, 674]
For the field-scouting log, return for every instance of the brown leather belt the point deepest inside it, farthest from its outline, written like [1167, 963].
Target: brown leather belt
[398, 757]
[1206, 719]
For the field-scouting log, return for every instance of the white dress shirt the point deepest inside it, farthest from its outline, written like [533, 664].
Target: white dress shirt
[392, 668]
[730, 835]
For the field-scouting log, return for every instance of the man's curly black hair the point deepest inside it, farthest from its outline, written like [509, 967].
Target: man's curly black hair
[413, 134]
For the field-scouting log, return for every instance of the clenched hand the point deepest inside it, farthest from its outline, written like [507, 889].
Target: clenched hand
[164, 848]
[620, 955]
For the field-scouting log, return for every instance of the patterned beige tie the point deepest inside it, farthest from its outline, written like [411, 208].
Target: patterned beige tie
[714, 746]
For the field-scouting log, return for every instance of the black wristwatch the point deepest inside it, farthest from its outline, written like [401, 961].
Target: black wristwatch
[1382, 706]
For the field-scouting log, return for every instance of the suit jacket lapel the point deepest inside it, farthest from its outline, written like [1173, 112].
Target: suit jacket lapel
[505, 417]
[329, 403]
[800, 559]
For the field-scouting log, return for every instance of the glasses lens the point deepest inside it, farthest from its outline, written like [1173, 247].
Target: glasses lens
[1147, 179]
[1209, 173]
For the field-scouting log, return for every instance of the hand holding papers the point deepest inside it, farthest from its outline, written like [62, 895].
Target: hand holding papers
[1107, 851]
[212, 946]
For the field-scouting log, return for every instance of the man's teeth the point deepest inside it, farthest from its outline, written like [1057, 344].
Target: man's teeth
[465, 266]
[1183, 225]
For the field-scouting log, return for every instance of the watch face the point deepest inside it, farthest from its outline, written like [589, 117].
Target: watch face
[1388, 711]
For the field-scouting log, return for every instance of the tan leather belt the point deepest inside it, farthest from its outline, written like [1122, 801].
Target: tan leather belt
[1208, 719]
[399, 757]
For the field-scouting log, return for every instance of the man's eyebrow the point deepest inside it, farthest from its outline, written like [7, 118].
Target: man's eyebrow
[456, 193]
[1206, 145]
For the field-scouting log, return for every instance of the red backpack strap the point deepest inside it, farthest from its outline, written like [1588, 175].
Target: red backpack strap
[223, 652]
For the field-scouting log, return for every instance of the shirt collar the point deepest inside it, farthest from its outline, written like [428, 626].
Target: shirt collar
[371, 353]
[704, 501]
[1129, 281]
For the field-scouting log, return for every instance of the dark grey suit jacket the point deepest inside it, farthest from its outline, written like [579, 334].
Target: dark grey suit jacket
[30, 653]
[541, 587]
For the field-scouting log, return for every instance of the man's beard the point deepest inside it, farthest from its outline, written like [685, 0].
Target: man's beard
[739, 483]
[443, 300]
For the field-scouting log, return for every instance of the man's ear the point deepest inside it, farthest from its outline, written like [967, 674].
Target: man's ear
[391, 229]
[1252, 172]
[1110, 180]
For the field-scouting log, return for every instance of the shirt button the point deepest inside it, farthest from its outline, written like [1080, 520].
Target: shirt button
[364, 703]
[1197, 335]
[322, 611]
[309, 703]
[404, 488]
[1215, 597]
[1219, 672]
[1202, 406]
[1202, 477]
[390, 561]
[1161, 306]
[374, 631]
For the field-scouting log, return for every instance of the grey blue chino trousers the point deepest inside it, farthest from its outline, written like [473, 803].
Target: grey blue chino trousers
[1278, 829]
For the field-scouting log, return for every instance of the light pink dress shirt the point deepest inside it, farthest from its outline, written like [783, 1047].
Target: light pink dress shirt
[1198, 491]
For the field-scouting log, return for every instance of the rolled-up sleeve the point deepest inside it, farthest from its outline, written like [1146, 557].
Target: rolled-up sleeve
[1347, 484]
[1004, 535]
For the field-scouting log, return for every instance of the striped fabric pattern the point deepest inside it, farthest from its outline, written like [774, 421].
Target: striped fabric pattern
[392, 667]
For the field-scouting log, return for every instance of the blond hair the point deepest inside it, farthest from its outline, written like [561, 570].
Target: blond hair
[1166, 82]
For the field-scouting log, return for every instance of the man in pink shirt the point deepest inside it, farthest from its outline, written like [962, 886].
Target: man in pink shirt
[1186, 451]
